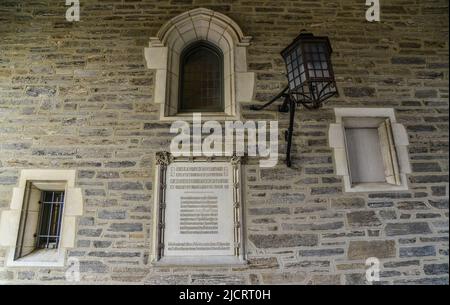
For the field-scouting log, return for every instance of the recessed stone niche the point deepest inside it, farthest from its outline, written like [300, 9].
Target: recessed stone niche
[163, 55]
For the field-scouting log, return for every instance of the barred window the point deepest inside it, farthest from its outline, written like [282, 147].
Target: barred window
[201, 81]
[41, 219]
[49, 230]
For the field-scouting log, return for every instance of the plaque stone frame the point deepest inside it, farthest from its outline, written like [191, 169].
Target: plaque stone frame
[163, 160]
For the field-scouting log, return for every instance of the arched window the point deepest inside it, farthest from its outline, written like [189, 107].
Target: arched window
[201, 78]
[164, 54]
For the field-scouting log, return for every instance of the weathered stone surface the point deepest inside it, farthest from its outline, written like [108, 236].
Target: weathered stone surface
[439, 204]
[417, 251]
[411, 205]
[283, 240]
[86, 174]
[15, 146]
[167, 279]
[359, 91]
[351, 266]
[117, 185]
[356, 279]
[434, 239]
[325, 279]
[427, 215]
[348, 203]
[436, 269]
[102, 244]
[363, 219]
[114, 254]
[322, 252]
[308, 264]
[402, 264]
[86, 221]
[35, 91]
[310, 208]
[426, 167]
[83, 243]
[429, 179]
[263, 263]
[93, 267]
[313, 226]
[325, 190]
[344, 234]
[269, 211]
[6, 275]
[388, 215]
[395, 229]
[90, 232]
[282, 198]
[126, 227]
[382, 204]
[218, 279]
[116, 164]
[425, 93]
[377, 248]
[106, 214]
[423, 281]
[408, 60]
[26, 275]
[438, 190]
[107, 175]
[129, 274]
[8, 180]
[284, 278]
[318, 170]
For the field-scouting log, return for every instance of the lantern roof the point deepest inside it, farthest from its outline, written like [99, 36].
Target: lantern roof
[306, 37]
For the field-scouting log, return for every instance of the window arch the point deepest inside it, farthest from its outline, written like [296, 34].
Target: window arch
[164, 52]
[201, 78]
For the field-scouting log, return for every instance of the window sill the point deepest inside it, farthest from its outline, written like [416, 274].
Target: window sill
[191, 261]
[374, 187]
[40, 258]
[214, 116]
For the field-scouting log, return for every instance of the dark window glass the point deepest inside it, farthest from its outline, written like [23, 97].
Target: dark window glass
[201, 78]
[49, 229]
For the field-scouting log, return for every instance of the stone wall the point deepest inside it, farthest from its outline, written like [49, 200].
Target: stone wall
[79, 96]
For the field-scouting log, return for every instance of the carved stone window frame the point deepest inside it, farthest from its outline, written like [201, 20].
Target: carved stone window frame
[163, 160]
[163, 56]
[73, 208]
[337, 141]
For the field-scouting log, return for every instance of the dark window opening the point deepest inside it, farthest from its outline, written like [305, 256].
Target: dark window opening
[201, 78]
[49, 225]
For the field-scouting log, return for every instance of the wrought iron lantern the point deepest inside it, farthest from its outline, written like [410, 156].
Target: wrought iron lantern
[310, 79]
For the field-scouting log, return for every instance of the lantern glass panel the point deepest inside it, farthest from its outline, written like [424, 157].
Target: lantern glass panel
[295, 69]
[317, 60]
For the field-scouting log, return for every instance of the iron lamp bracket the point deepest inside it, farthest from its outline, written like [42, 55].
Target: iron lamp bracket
[289, 104]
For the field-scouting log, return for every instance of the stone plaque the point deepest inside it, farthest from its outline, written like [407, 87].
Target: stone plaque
[198, 210]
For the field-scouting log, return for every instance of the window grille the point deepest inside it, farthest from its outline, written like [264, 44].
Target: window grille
[50, 216]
